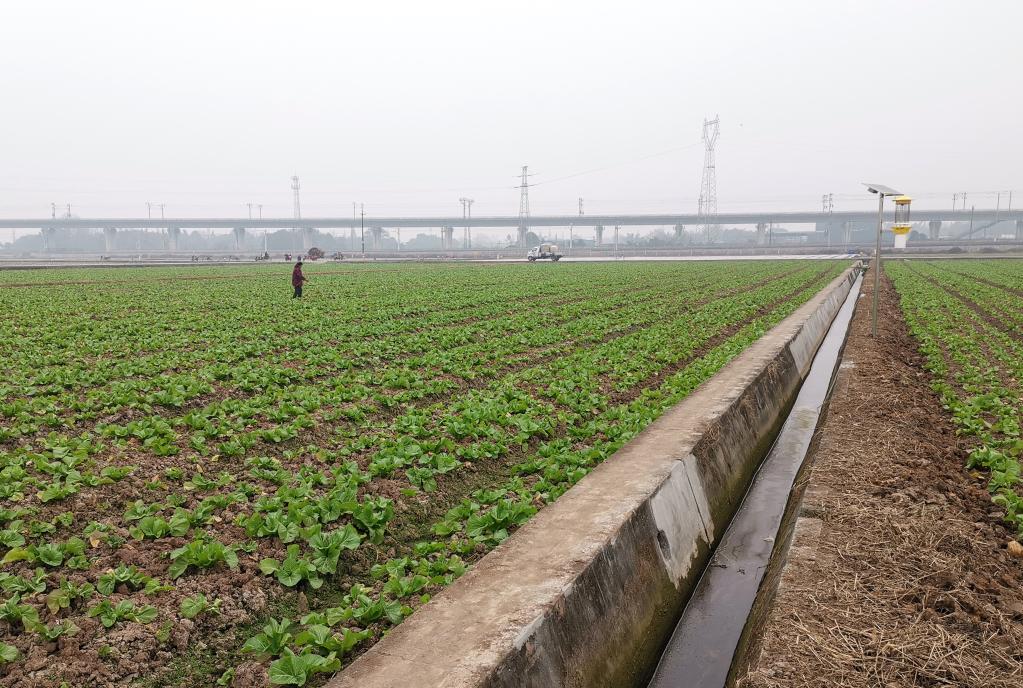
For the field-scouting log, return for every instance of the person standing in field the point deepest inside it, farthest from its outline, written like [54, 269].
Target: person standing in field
[297, 279]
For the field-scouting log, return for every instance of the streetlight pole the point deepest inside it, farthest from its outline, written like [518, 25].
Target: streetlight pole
[877, 265]
[881, 192]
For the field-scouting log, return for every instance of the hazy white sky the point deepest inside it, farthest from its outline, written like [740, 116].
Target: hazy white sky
[407, 106]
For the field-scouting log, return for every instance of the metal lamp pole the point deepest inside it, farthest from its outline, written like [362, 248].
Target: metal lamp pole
[881, 192]
[877, 265]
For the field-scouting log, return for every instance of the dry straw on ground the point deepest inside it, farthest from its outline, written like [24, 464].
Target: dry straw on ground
[899, 574]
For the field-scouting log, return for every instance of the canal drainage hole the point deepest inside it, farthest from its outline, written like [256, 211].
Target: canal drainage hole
[662, 541]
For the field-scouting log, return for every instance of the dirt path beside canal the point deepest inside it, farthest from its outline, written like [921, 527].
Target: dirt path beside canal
[899, 573]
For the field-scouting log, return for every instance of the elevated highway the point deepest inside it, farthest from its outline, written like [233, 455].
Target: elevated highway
[645, 220]
[374, 227]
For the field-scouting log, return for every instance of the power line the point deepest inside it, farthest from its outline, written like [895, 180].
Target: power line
[618, 165]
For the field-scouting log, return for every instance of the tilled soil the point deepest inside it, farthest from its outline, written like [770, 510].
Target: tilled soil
[899, 573]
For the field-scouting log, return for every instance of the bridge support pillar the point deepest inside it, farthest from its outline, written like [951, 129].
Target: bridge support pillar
[680, 232]
[307, 238]
[521, 240]
[376, 233]
[761, 233]
[935, 228]
[49, 234]
[1019, 230]
[447, 240]
[599, 231]
[173, 235]
[239, 238]
[109, 235]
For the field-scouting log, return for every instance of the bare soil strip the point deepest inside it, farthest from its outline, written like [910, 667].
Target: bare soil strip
[899, 573]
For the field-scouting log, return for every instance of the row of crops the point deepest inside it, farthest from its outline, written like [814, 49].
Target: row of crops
[203, 478]
[968, 318]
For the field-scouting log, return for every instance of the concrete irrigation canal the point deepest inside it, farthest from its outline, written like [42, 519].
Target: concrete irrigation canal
[589, 591]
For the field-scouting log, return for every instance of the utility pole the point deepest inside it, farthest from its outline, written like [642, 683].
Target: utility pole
[571, 228]
[362, 225]
[149, 210]
[250, 210]
[260, 206]
[708, 203]
[297, 206]
[355, 218]
[161, 211]
[53, 211]
[827, 207]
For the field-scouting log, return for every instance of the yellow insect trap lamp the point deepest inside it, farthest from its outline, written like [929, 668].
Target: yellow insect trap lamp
[901, 226]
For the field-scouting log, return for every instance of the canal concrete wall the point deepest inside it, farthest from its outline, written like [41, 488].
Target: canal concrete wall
[586, 593]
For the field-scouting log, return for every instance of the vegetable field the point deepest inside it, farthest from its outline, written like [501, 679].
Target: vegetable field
[968, 317]
[207, 482]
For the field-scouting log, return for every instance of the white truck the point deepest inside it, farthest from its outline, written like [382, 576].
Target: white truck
[543, 251]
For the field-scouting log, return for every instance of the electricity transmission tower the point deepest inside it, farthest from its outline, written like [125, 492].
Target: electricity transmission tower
[708, 207]
[295, 187]
[828, 203]
[467, 216]
[524, 206]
